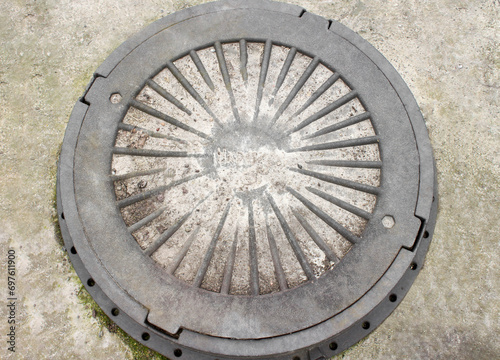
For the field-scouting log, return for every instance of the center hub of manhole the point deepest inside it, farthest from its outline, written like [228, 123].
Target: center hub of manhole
[247, 171]
[247, 158]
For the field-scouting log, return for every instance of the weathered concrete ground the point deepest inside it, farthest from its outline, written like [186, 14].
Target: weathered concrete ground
[446, 50]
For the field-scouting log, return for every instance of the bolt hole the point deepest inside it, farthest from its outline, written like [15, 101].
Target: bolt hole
[393, 297]
[333, 346]
[388, 222]
[426, 234]
[296, 358]
[413, 266]
[90, 282]
[62, 215]
[145, 336]
[115, 311]
[73, 250]
[365, 325]
[178, 352]
[115, 98]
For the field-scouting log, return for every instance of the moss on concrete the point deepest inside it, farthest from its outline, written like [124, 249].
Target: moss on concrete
[138, 351]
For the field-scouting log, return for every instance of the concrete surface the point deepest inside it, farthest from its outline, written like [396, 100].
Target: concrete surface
[447, 52]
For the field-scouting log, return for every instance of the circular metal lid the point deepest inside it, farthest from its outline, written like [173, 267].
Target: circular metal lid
[244, 179]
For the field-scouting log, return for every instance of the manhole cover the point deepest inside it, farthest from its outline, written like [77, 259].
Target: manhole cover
[244, 179]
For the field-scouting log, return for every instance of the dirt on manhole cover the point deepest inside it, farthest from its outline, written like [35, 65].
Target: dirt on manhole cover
[244, 179]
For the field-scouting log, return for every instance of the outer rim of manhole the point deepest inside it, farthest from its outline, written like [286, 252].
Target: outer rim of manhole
[327, 328]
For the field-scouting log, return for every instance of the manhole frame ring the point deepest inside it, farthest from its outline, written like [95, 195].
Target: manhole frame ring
[426, 194]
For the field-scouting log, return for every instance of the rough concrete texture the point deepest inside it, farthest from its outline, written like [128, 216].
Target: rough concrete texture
[447, 52]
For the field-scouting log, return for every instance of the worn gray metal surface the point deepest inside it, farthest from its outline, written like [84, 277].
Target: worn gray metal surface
[243, 293]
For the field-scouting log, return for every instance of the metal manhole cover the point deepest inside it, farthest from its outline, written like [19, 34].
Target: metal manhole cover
[244, 179]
